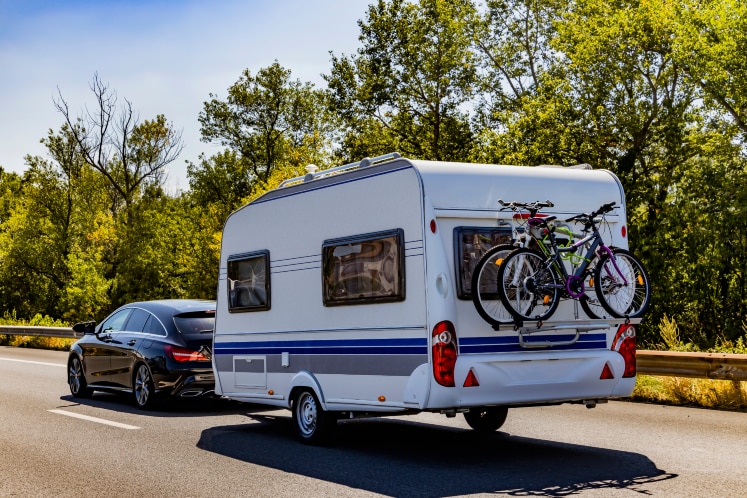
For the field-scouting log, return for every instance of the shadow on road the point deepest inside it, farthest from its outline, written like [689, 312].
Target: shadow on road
[396, 457]
[177, 407]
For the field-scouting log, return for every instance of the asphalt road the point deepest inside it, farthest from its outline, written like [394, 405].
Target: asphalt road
[54, 445]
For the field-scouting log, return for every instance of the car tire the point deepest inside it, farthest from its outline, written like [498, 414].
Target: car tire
[313, 425]
[143, 389]
[486, 418]
[76, 379]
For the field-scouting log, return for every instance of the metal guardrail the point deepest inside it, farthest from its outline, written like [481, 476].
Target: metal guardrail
[31, 330]
[722, 366]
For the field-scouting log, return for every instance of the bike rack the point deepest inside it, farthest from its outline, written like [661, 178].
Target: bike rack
[527, 328]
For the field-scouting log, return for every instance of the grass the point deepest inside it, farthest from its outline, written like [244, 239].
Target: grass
[705, 393]
[681, 391]
[36, 342]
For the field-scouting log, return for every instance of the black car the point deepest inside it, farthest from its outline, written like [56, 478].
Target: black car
[151, 349]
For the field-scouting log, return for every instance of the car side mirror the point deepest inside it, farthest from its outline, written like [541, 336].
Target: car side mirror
[84, 327]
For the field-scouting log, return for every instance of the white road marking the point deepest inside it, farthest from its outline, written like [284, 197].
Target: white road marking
[36, 362]
[94, 419]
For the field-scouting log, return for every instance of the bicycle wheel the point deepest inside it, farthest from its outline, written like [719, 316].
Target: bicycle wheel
[622, 284]
[485, 293]
[590, 300]
[528, 288]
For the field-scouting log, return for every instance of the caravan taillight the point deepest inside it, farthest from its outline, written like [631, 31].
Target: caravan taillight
[624, 343]
[444, 353]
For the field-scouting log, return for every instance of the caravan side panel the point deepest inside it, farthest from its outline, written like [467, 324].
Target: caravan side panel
[357, 356]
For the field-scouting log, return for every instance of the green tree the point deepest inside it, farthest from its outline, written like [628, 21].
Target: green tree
[130, 154]
[165, 256]
[410, 85]
[708, 39]
[262, 121]
[46, 235]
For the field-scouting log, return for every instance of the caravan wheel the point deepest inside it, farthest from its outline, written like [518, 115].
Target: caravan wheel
[313, 425]
[486, 418]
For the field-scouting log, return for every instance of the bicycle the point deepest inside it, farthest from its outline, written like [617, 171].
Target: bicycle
[484, 277]
[531, 285]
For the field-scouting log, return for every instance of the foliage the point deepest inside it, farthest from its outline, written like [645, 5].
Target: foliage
[706, 393]
[655, 91]
[36, 342]
[407, 87]
[262, 121]
[131, 155]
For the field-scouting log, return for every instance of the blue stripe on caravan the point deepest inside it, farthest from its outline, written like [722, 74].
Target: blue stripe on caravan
[246, 349]
[332, 346]
[511, 344]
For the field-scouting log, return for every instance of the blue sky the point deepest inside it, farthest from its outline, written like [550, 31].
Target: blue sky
[165, 57]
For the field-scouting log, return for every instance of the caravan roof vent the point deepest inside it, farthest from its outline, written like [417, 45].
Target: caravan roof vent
[339, 169]
[310, 170]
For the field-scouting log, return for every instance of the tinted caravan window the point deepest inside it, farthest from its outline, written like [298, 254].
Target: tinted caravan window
[362, 269]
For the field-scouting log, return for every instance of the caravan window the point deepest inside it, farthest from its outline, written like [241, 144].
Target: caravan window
[249, 282]
[469, 245]
[364, 269]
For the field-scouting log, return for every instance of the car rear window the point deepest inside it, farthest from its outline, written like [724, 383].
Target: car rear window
[197, 325]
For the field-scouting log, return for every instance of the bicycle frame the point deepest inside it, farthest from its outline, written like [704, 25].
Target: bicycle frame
[573, 282]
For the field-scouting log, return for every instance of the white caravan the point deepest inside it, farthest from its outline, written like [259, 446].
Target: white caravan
[346, 293]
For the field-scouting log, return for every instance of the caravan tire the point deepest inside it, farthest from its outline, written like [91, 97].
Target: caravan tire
[313, 425]
[486, 418]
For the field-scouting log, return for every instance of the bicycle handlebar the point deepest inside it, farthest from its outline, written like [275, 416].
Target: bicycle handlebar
[586, 217]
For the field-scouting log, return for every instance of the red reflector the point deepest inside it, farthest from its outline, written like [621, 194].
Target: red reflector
[471, 380]
[182, 354]
[433, 226]
[606, 373]
[624, 231]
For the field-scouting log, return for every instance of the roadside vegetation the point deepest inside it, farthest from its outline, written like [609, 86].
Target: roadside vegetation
[706, 393]
[37, 342]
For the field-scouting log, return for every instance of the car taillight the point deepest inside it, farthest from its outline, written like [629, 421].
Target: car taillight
[182, 354]
[624, 343]
[444, 353]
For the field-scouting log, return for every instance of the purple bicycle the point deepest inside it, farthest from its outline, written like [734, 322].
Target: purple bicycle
[531, 284]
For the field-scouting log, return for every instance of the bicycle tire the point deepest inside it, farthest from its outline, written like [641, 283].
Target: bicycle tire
[529, 290]
[485, 293]
[590, 300]
[628, 299]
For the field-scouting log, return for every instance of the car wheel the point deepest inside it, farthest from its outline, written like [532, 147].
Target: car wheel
[76, 379]
[486, 418]
[313, 425]
[143, 390]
